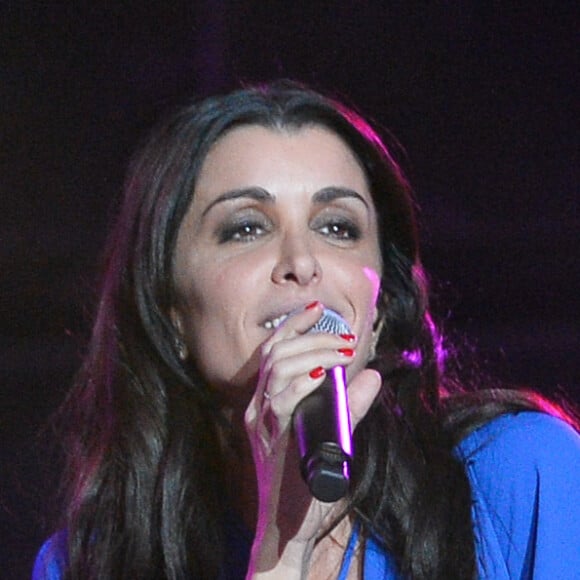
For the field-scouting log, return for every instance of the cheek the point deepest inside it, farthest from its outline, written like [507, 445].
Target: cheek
[215, 311]
[205, 290]
[364, 291]
[212, 343]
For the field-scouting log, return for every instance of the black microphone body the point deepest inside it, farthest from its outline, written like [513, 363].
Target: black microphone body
[322, 427]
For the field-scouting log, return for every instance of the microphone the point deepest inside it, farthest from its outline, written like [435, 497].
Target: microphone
[322, 426]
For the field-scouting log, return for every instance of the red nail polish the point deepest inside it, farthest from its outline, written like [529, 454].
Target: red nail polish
[312, 305]
[348, 337]
[316, 373]
[346, 351]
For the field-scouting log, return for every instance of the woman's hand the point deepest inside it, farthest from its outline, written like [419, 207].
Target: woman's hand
[292, 364]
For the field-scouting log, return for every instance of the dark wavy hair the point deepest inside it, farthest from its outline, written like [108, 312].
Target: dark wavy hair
[145, 462]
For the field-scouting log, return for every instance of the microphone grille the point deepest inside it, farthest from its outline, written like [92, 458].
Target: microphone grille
[331, 322]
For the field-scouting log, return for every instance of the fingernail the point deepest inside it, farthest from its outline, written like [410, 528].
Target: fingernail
[348, 337]
[346, 351]
[312, 305]
[316, 373]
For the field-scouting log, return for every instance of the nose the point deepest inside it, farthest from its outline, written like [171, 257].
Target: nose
[296, 262]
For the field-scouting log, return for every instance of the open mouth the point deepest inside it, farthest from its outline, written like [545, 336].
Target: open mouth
[275, 323]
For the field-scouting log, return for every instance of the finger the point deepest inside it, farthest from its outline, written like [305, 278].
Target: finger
[362, 391]
[285, 372]
[283, 403]
[288, 381]
[309, 345]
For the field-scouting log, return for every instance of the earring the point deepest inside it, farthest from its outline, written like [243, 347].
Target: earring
[181, 349]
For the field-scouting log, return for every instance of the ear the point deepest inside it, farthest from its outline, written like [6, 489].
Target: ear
[380, 312]
[378, 324]
[179, 344]
[376, 316]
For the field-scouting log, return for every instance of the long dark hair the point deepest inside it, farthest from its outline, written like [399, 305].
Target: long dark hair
[145, 462]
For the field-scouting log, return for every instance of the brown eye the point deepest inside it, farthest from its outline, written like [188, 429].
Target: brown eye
[244, 231]
[340, 229]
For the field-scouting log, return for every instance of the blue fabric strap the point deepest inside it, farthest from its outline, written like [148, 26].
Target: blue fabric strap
[346, 560]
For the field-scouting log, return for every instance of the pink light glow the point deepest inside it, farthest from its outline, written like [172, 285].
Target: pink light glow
[339, 376]
[413, 358]
[375, 281]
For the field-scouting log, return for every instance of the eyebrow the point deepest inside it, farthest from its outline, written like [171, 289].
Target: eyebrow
[325, 195]
[331, 193]
[257, 193]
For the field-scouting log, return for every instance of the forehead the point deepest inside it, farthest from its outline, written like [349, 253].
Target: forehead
[310, 157]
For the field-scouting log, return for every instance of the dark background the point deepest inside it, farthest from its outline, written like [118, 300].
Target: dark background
[481, 94]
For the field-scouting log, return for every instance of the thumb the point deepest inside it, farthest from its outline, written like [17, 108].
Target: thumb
[362, 391]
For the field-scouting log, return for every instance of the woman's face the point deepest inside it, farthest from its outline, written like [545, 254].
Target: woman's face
[278, 219]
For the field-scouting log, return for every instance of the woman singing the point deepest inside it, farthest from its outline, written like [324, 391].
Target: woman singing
[245, 218]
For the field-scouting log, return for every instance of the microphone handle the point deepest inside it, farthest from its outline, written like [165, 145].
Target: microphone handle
[322, 427]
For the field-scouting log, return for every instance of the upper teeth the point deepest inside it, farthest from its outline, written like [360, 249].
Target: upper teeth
[276, 322]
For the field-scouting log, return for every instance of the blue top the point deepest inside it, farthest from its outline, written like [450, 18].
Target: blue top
[524, 471]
